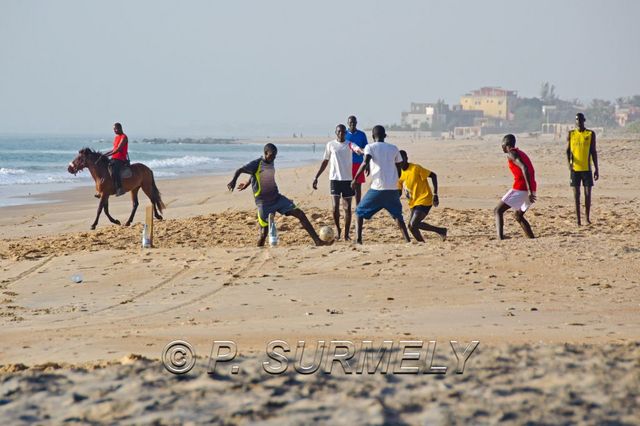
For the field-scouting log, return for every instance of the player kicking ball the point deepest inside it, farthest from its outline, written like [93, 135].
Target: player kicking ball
[267, 197]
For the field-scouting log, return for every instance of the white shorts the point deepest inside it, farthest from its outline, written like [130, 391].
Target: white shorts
[517, 200]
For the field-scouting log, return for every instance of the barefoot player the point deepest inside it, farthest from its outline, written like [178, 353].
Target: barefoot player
[414, 179]
[581, 150]
[338, 155]
[267, 197]
[523, 193]
[359, 138]
[384, 161]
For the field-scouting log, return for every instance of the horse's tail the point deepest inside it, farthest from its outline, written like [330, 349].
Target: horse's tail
[156, 199]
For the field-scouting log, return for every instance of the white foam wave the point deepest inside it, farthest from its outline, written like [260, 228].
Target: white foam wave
[186, 161]
[165, 174]
[11, 172]
[24, 178]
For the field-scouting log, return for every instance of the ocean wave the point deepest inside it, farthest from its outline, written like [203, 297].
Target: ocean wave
[25, 178]
[11, 172]
[186, 161]
[180, 141]
[165, 174]
[168, 167]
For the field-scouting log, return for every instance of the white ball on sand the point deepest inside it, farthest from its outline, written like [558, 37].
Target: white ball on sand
[326, 234]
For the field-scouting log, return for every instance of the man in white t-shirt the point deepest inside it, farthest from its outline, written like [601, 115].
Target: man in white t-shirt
[338, 155]
[384, 161]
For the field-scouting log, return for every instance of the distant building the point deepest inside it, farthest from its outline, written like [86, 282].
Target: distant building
[627, 114]
[492, 101]
[561, 130]
[488, 122]
[467, 132]
[459, 117]
[558, 130]
[423, 116]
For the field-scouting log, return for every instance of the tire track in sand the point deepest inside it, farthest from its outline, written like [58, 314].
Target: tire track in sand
[249, 266]
[7, 282]
[135, 297]
[235, 276]
[151, 289]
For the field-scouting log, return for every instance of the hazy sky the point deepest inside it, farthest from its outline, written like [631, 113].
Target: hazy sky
[252, 68]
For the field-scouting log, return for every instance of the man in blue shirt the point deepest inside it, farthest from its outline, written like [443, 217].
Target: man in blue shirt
[356, 137]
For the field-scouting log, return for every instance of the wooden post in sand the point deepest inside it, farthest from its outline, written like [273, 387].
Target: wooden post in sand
[149, 222]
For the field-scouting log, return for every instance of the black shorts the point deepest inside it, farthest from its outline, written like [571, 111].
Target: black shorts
[341, 188]
[585, 177]
[420, 208]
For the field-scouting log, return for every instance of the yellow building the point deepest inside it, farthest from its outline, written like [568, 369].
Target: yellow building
[492, 101]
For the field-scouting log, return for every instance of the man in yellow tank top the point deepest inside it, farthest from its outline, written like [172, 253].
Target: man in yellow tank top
[413, 178]
[581, 150]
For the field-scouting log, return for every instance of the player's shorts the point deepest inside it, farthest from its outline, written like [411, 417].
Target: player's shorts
[354, 169]
[585, 177]
[282, 205]
[375, 200]
[421, 208]
[341, 188]
[517, 200]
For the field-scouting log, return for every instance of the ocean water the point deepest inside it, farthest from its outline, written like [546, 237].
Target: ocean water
[38, 165]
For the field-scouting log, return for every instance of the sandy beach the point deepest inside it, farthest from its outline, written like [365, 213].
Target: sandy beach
[556, 317]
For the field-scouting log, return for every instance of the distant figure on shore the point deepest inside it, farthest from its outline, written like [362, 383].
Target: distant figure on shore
[414, 180]
[523, 193]
[119, 156]
[338, 154]
[267, 197]
[581, 150]
[358, 138]
[384, 160]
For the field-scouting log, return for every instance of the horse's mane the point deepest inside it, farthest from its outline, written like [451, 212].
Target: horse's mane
[94, 156]
[88, 151]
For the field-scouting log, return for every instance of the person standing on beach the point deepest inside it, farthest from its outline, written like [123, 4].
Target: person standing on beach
[119, 156]
[414, 179]
[384, 161]
[358, 138]
[267, 197]
[338, 154]
[581, 150]
[523, 193]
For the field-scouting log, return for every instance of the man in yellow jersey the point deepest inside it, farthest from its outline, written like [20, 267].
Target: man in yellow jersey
[414, 179]
[581, 150]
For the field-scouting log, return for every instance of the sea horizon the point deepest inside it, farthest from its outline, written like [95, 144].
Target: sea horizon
[36, 165]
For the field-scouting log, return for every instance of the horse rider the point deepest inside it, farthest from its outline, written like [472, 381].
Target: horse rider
[119, 156]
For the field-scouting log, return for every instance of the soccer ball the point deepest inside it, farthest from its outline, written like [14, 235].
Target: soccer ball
[326, 234]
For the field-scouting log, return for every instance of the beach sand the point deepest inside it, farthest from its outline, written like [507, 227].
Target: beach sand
[556, 317]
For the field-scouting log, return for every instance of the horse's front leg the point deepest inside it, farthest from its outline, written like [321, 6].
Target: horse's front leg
[134, 201]
[106, 211]
[100, 207]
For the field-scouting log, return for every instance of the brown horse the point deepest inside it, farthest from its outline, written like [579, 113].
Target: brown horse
[142, 177]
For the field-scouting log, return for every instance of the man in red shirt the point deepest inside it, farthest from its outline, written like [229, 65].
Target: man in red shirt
[523, 193]
[119, 156]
